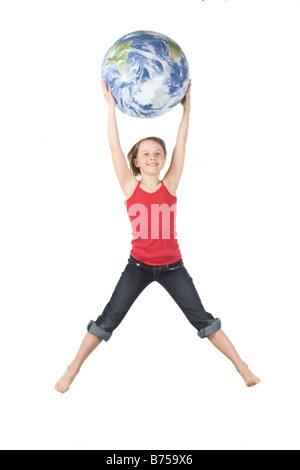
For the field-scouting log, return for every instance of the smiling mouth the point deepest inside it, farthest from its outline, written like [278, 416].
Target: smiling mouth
[152, 164]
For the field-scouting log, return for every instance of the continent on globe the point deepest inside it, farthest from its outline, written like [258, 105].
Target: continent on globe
[118, 56]
[148, 73]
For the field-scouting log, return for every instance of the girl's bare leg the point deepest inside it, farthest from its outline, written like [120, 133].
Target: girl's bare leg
[222, 342]
[89, 344]
[218, 339]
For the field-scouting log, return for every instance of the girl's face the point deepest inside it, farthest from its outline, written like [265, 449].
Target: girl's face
[150, 157]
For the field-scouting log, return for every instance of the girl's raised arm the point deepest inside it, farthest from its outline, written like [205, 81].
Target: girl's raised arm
[175, 170]
[124, 175]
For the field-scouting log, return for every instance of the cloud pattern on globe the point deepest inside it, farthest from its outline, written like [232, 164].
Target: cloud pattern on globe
[148, 73]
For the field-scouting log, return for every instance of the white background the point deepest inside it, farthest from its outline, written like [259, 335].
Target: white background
[65, 234]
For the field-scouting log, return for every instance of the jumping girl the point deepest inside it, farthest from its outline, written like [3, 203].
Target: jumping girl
[155, 256]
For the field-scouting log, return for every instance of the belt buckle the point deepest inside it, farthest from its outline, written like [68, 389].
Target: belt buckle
[175, 267]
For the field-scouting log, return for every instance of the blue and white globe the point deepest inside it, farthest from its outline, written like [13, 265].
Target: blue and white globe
[148, 73]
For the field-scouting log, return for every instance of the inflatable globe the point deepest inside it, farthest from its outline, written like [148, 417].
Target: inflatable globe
[148, 73]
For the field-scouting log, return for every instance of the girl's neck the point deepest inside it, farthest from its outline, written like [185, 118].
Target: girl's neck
[150, 182]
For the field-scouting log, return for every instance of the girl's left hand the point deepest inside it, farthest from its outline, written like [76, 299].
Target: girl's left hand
[187, 99]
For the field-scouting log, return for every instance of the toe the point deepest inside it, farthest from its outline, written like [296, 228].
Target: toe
[58, 387]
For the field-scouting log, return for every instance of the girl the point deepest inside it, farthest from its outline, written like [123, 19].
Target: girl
[155, 255]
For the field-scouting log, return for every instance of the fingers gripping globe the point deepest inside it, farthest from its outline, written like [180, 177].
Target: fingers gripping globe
[148, 73]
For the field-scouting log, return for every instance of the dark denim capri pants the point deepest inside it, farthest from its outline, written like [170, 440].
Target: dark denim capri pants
[135, 278]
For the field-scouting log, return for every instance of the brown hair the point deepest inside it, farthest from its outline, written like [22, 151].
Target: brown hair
[134, 151]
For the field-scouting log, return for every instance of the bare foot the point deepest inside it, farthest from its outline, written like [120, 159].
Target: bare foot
[65, 382]
[250, 379]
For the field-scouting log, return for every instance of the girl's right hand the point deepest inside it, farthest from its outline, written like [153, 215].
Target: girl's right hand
[108, 95]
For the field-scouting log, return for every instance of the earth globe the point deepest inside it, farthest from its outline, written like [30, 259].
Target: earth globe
[148, 73]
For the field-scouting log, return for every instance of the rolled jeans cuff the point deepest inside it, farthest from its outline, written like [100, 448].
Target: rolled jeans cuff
[211, 329]
[97, 331]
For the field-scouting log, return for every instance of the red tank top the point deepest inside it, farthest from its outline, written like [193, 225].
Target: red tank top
[153, 223]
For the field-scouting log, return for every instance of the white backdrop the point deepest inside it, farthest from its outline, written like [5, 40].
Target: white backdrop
[65, 234]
